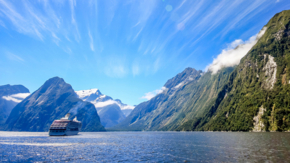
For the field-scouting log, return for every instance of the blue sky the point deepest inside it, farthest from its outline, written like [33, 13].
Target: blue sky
[125, 48]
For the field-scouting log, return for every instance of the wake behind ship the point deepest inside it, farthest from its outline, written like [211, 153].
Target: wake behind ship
[65, 127]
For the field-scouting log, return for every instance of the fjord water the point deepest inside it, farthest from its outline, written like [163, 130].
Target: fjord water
[145, 147]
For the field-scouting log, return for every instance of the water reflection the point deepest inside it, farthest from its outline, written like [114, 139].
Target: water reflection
[146, 146]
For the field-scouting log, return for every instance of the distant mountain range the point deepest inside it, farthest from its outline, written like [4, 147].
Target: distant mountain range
[53, 100]
[10, 95]
[111, 111]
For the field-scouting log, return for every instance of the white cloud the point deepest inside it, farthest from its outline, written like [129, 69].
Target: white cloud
[14, 57]
[135, 69]
[91, 41]
[232, 55]
[73, 20]
[152, 94]
[105, 103]
[16, 97]
[126, 107]
[115, 69]
[2, 24]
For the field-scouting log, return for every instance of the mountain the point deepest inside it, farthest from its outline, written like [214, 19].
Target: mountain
[183, 98]
[126, 109]
[256, 97]
[53, 100]
[111, 111]
[10, 95]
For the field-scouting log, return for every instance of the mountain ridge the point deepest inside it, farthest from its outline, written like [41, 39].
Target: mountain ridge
[53, 100]
[111, 111]
[10, 95]
[256, 96]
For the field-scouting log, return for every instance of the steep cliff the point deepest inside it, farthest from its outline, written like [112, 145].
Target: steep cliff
[256, 97]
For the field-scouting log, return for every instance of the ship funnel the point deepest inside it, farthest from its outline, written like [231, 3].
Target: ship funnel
[67, 116]
[75, 119]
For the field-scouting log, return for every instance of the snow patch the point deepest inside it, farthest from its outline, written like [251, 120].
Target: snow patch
[100, 100]
[84, 93]
[152, 94]
[187, 80]
[179, 85]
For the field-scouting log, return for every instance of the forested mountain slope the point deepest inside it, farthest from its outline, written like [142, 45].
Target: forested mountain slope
[183, 98]
[256, 97]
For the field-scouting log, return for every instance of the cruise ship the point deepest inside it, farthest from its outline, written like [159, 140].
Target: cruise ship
[65, 127]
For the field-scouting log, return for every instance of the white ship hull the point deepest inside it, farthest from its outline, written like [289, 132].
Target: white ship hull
[65, 133]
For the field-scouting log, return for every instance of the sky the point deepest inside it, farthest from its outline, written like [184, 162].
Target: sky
[127, 49]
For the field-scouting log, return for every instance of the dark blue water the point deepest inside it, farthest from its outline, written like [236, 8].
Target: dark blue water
[146, 147]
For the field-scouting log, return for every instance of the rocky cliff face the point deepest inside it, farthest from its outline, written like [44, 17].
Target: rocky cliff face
[53, 100]
[183, 99]
[10, 95]
[256, 97]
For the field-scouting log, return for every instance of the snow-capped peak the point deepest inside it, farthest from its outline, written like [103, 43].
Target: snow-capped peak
[99, 100]
[85, 93]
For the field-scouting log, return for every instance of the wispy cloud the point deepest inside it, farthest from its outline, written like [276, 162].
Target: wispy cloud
[152, 94]
[246, 12]
[2, 24]
[135, 69]
[56, 39]
[73, 20]
[9, 11]
[67, 50]
[116, 67]
[116, 71]
[91, 41]
[14, 57]
[232, 55]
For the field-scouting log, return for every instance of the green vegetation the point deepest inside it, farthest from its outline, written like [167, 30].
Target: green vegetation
[230, 99]
[169, 110]
[249, 87]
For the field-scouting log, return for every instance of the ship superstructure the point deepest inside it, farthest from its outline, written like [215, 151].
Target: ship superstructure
[64, 127]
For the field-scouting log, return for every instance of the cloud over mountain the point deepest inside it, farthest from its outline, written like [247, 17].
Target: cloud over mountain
[232, 55]
[152, 94]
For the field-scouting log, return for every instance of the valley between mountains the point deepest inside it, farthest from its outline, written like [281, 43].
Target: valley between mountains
[251, 96]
